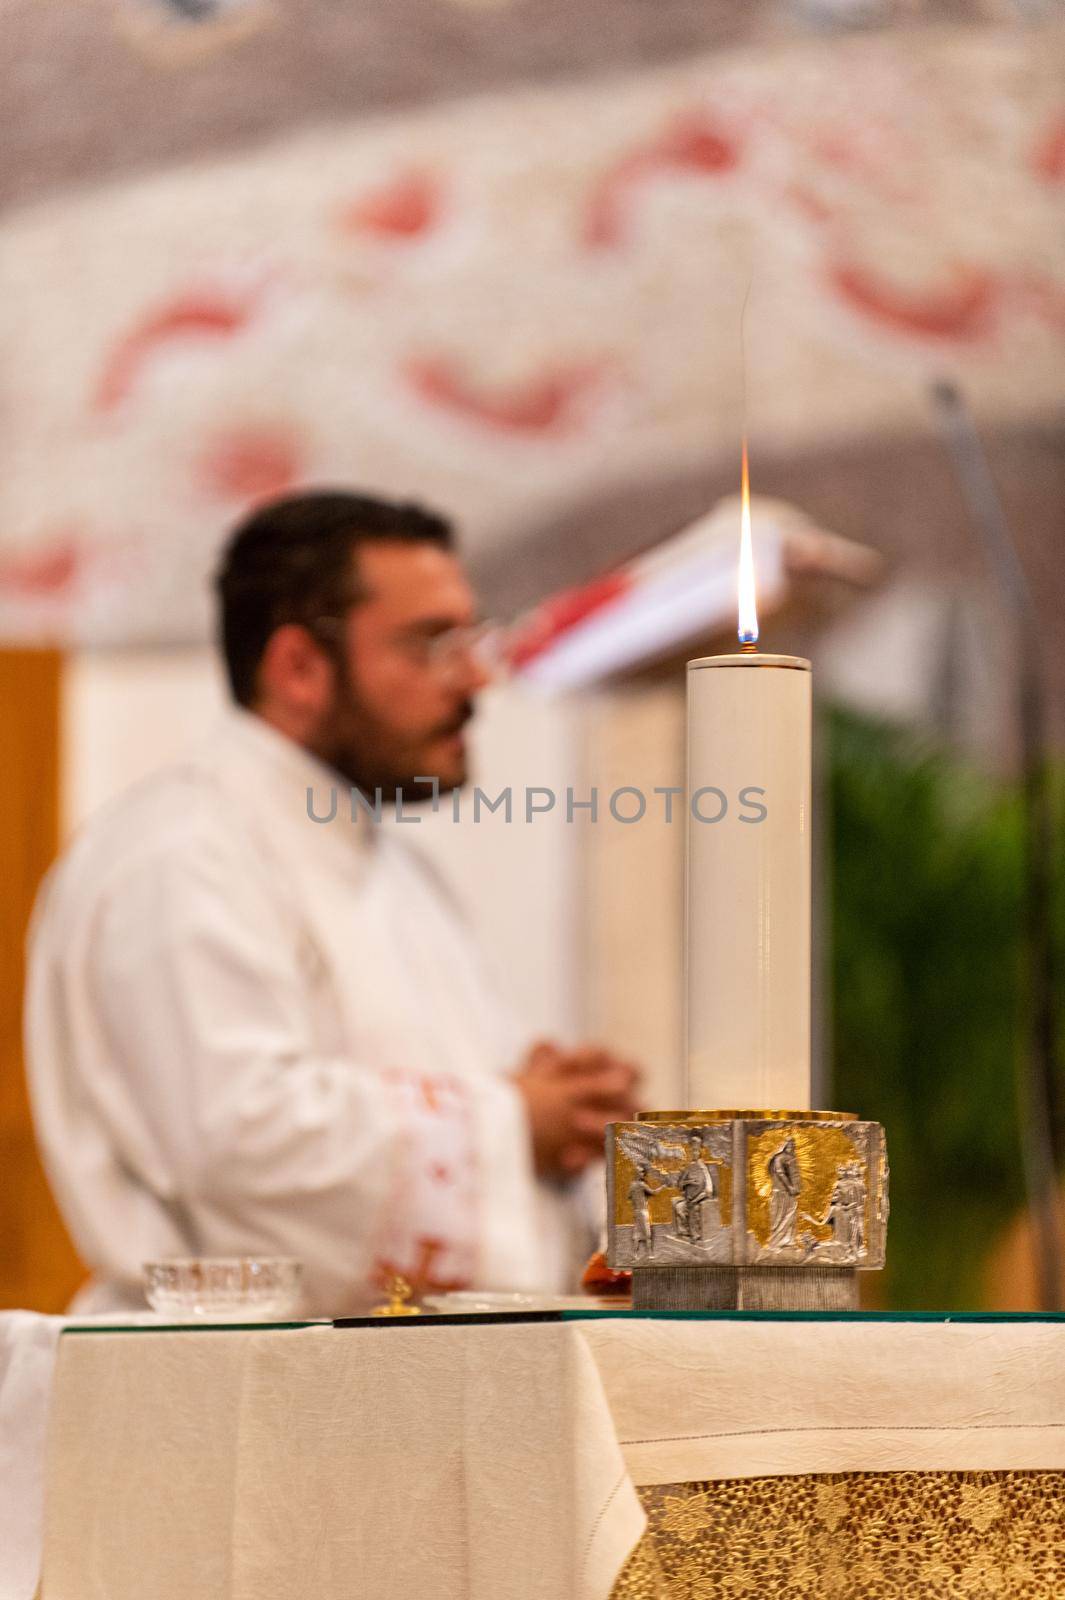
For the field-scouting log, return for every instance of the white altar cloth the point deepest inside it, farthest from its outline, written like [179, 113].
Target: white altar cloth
[28, 1344]
[490, 1461]
[27, 1356]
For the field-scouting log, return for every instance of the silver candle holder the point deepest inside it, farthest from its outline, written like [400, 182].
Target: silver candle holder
[746, 1210]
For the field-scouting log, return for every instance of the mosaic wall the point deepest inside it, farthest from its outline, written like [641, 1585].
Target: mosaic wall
[503, 303]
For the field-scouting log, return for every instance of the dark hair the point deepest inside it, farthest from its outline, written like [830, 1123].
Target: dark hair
[293, 561]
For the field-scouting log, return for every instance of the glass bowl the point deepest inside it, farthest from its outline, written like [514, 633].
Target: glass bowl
[224, 1288]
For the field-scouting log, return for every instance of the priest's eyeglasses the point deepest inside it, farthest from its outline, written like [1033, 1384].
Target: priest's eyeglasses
[445, 652]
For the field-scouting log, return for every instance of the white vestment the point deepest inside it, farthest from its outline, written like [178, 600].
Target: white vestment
[252, 1032]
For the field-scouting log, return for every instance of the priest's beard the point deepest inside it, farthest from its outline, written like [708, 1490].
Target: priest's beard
[374, 755]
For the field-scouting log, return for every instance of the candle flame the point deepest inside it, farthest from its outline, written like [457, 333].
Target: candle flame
[748, 611]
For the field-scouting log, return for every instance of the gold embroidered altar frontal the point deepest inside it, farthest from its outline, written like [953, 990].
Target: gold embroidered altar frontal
[853, 1536]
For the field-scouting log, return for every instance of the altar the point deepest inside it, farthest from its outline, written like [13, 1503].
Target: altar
[561, 1456]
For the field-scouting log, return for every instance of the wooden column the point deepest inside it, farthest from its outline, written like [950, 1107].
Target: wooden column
[38, 1266]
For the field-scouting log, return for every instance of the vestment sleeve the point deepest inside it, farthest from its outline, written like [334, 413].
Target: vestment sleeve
[256, 1135]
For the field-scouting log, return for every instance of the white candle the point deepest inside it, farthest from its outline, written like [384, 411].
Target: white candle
[748, 883]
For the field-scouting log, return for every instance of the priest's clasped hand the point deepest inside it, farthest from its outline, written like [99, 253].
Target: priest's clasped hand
[570, 1096]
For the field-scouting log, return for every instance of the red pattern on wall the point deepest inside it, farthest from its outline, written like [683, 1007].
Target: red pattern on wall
[250, 463]
[502, 306]
[407, 207]
[48, 570]
[961, 309]
[546, 404]
[1048, 156]
[192, 314]
[691, 143]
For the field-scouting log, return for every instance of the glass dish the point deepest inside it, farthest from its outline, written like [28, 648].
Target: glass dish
[224, 1288]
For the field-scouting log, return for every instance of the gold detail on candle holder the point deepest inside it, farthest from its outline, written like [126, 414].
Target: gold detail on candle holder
[699, 1118]
[787, 1192]
[819, 1152]
[883, 1204]
[660, 1204]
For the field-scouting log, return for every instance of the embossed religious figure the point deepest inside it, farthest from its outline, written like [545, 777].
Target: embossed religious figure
[786, 1182]
[846, 1211]
[698, 1187]
[640, 1192]
[644, 1147]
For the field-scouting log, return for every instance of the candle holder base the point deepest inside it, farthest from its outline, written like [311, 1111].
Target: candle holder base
[744, 1289]
[746, 1210]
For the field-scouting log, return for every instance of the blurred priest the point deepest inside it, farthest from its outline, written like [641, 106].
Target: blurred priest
[256, 1026]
